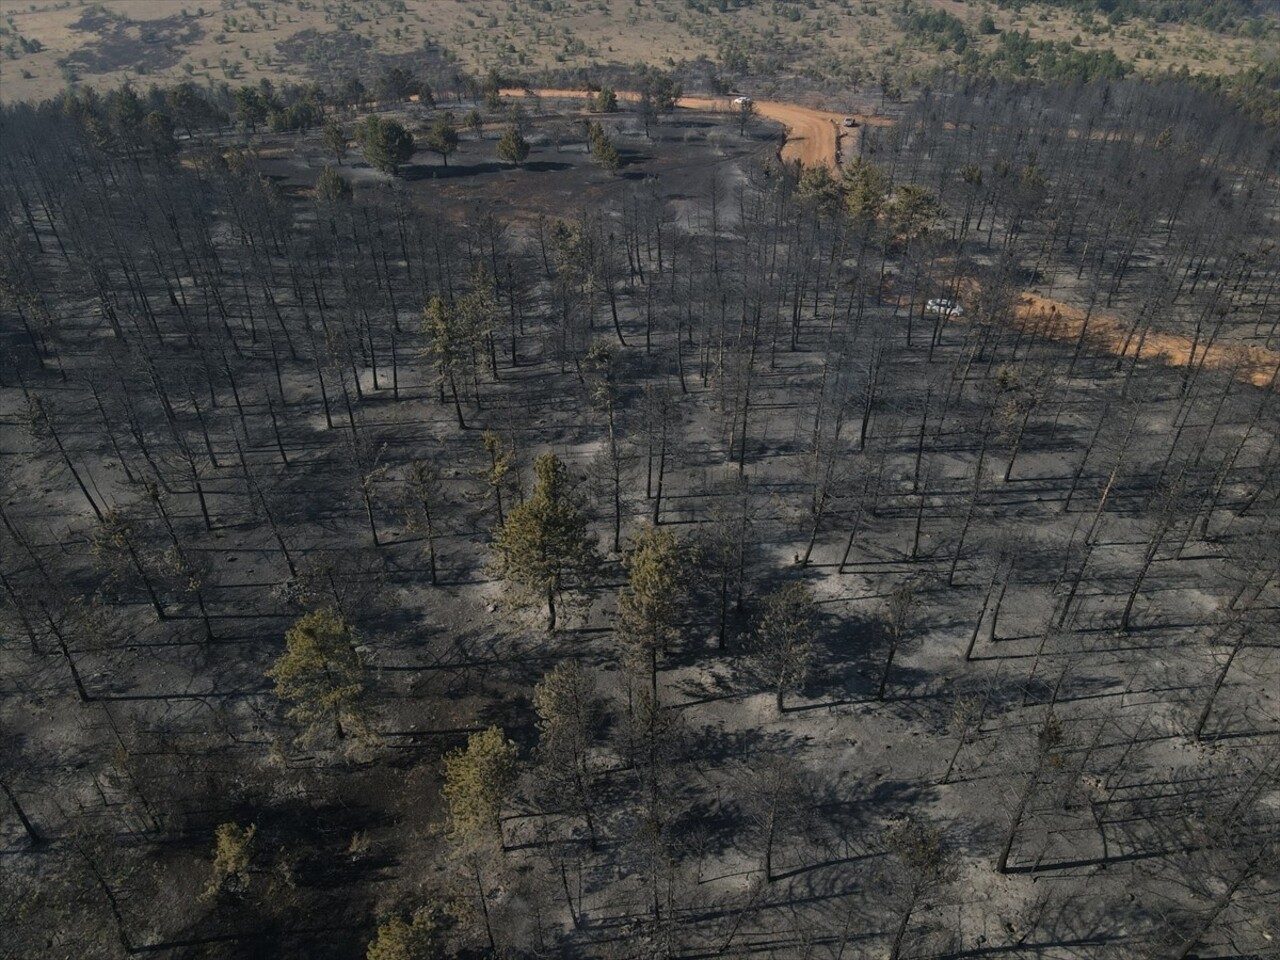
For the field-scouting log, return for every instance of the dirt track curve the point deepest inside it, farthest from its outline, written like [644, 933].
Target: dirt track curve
[812, 135]
[812, 138]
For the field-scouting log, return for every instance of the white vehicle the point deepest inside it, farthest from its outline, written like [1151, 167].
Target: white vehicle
[850, 122]
[742, 101]
[941, 307]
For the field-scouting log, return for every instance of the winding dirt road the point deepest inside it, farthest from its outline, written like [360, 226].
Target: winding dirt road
[812, 138]
[812, 135]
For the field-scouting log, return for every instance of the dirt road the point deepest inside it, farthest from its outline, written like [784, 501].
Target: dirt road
[812, 135]
[1061, 321]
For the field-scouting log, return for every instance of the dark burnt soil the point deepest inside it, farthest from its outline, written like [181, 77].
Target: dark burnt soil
[682, 157]
[122, 44]
[331, 58]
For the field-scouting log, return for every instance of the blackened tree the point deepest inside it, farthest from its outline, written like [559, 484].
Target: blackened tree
[783, 639]
[335, 139]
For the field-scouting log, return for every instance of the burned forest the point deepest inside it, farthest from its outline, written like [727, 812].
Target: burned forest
[524, 526]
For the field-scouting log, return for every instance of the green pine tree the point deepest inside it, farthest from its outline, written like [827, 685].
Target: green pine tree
[543, 549]
[478, 781]
[443, 137]
[651, 606]
[513, 148]
[331, 186]
[866, 189]
[320, 674]
[569, 716]
[606, 101]
[232, 855]
[916, 212]
[606, 154]
[386, 144]
[421, 938]
[335, 139]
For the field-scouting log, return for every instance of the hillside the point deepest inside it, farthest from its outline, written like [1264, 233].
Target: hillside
[640, 479]
[525, 527]
[48, 44]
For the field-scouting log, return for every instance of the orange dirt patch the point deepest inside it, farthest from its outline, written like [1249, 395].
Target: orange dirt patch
[1251, 364]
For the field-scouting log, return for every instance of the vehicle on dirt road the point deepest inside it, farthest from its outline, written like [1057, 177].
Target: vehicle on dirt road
[941, 307]
[850, 122]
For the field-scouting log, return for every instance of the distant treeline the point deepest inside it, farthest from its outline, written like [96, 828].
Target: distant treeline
[148, 117]
[128, 119]
[1018, 57]
[1224, 16]
[1255, 91]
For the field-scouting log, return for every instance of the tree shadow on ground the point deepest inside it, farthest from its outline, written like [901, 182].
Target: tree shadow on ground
[843, 657]
[414, 172]
[420, 171]
[545, 166]
[312, 848]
